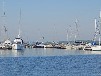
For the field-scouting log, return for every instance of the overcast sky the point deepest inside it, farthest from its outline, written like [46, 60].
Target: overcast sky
[49, 18]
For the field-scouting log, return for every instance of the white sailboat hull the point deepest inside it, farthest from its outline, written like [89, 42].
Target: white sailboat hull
[69, 47]
[96, 48]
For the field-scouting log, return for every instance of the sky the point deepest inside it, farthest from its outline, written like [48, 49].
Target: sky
[49, 19]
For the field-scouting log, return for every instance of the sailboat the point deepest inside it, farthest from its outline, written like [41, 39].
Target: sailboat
[97, 47]
[18, 42]
[68, 46]
[6, 44]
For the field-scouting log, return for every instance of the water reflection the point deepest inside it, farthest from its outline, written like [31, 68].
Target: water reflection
[5, 53]
[44, 52]
[17, 53]
[96, 52]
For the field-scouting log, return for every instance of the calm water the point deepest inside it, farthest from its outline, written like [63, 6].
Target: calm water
[50, 62]
[44, 52]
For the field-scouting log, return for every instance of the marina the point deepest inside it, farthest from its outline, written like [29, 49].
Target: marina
[72, 32]
[50, 38]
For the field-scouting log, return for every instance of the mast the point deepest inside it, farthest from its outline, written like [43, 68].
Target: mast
[99, 28]
[19, 34]
[4, 21]
[95, 26]
[67, 35]
[95, 30]
[76, 32]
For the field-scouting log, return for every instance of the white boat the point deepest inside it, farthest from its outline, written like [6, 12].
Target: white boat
[96, 48]
[18, 44]
[69, 46]
[89, 48]
[8, 44]
[40, 46]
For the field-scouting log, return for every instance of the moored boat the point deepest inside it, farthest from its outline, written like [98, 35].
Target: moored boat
[18, 44]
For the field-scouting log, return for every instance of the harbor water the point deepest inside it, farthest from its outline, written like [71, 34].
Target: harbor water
[50, 62]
